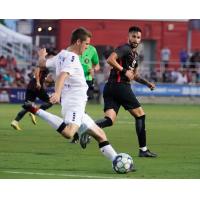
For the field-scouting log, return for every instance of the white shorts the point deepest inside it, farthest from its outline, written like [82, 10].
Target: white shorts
[73, 111]
[73, 108]
[73, 114]
[76, 115]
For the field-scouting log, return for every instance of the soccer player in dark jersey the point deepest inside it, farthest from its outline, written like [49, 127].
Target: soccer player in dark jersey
[117, 91]
[35, 89]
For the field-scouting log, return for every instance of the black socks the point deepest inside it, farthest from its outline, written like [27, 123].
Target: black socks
[140, 129]
[105, 122]
[20, 115]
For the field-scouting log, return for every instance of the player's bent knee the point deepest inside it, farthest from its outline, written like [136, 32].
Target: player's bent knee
[69, 132]
[138, 112]
[67, 135]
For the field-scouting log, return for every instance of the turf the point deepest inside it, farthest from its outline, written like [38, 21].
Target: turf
[39, 152]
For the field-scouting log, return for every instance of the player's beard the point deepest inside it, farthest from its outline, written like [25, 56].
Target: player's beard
[133, 45]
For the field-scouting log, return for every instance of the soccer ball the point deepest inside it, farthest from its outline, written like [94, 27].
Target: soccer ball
[123, 163]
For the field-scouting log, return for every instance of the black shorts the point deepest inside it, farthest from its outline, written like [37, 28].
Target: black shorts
[119, 94]
[31, 95]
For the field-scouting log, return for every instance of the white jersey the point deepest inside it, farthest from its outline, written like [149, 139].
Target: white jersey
[69, 62]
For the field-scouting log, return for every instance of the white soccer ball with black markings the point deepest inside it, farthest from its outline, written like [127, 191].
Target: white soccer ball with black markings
[123, 163]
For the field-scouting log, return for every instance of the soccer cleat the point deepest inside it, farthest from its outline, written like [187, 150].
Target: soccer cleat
[31, 107]
[84, 140]
[33, 118]
[75, 139]
[15, 125]
[147, 153]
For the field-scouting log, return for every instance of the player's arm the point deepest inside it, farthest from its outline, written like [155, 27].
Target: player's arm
[37, 77]
[112, 60]
[55, 98]
[95, 61]
[143, 81]
[42, 53]
[96, 67]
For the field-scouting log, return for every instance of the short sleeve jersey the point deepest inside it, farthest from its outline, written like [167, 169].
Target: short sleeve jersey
[69, 62]
[126, 58]
[88, 58]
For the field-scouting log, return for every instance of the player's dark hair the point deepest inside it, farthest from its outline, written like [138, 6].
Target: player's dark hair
[134, 29]
[80, 33]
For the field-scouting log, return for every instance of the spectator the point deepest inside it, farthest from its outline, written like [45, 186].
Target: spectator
[13, 62]
[182, 77]
[108, 50]
[8, 58]
[28, 74]
[153, 76]
[167, 76]
[3, 62]
[7, 80]
[194, 63]
[174, 75]
[165, 56]
[183, 57]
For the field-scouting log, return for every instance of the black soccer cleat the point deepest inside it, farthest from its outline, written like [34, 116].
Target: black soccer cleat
[84, 140]
[75, 139]
[147, 153]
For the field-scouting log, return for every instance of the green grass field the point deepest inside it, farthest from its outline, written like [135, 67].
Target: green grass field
[173, 131]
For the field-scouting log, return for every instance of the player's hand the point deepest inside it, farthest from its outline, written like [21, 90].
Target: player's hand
[42, 53]
[91, 72]
[151, 86]
[38, 85]
[129, 74]
[55, 98]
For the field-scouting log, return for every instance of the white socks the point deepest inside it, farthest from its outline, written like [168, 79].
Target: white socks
[108, 152]
[53, 120]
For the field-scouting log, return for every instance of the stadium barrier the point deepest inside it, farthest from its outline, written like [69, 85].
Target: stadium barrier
[167, 90]
[17, 95]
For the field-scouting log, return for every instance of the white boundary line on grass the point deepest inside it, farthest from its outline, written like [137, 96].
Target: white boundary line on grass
[51, 174]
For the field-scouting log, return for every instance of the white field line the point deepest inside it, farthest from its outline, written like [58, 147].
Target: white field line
[51, 174]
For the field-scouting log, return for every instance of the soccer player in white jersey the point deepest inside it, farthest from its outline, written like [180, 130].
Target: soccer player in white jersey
[71, 92]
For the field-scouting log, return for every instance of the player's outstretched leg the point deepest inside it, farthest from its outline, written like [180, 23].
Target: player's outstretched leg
[66, 130]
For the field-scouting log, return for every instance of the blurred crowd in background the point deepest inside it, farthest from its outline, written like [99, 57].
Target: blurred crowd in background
[188, 72]
[162, 58]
